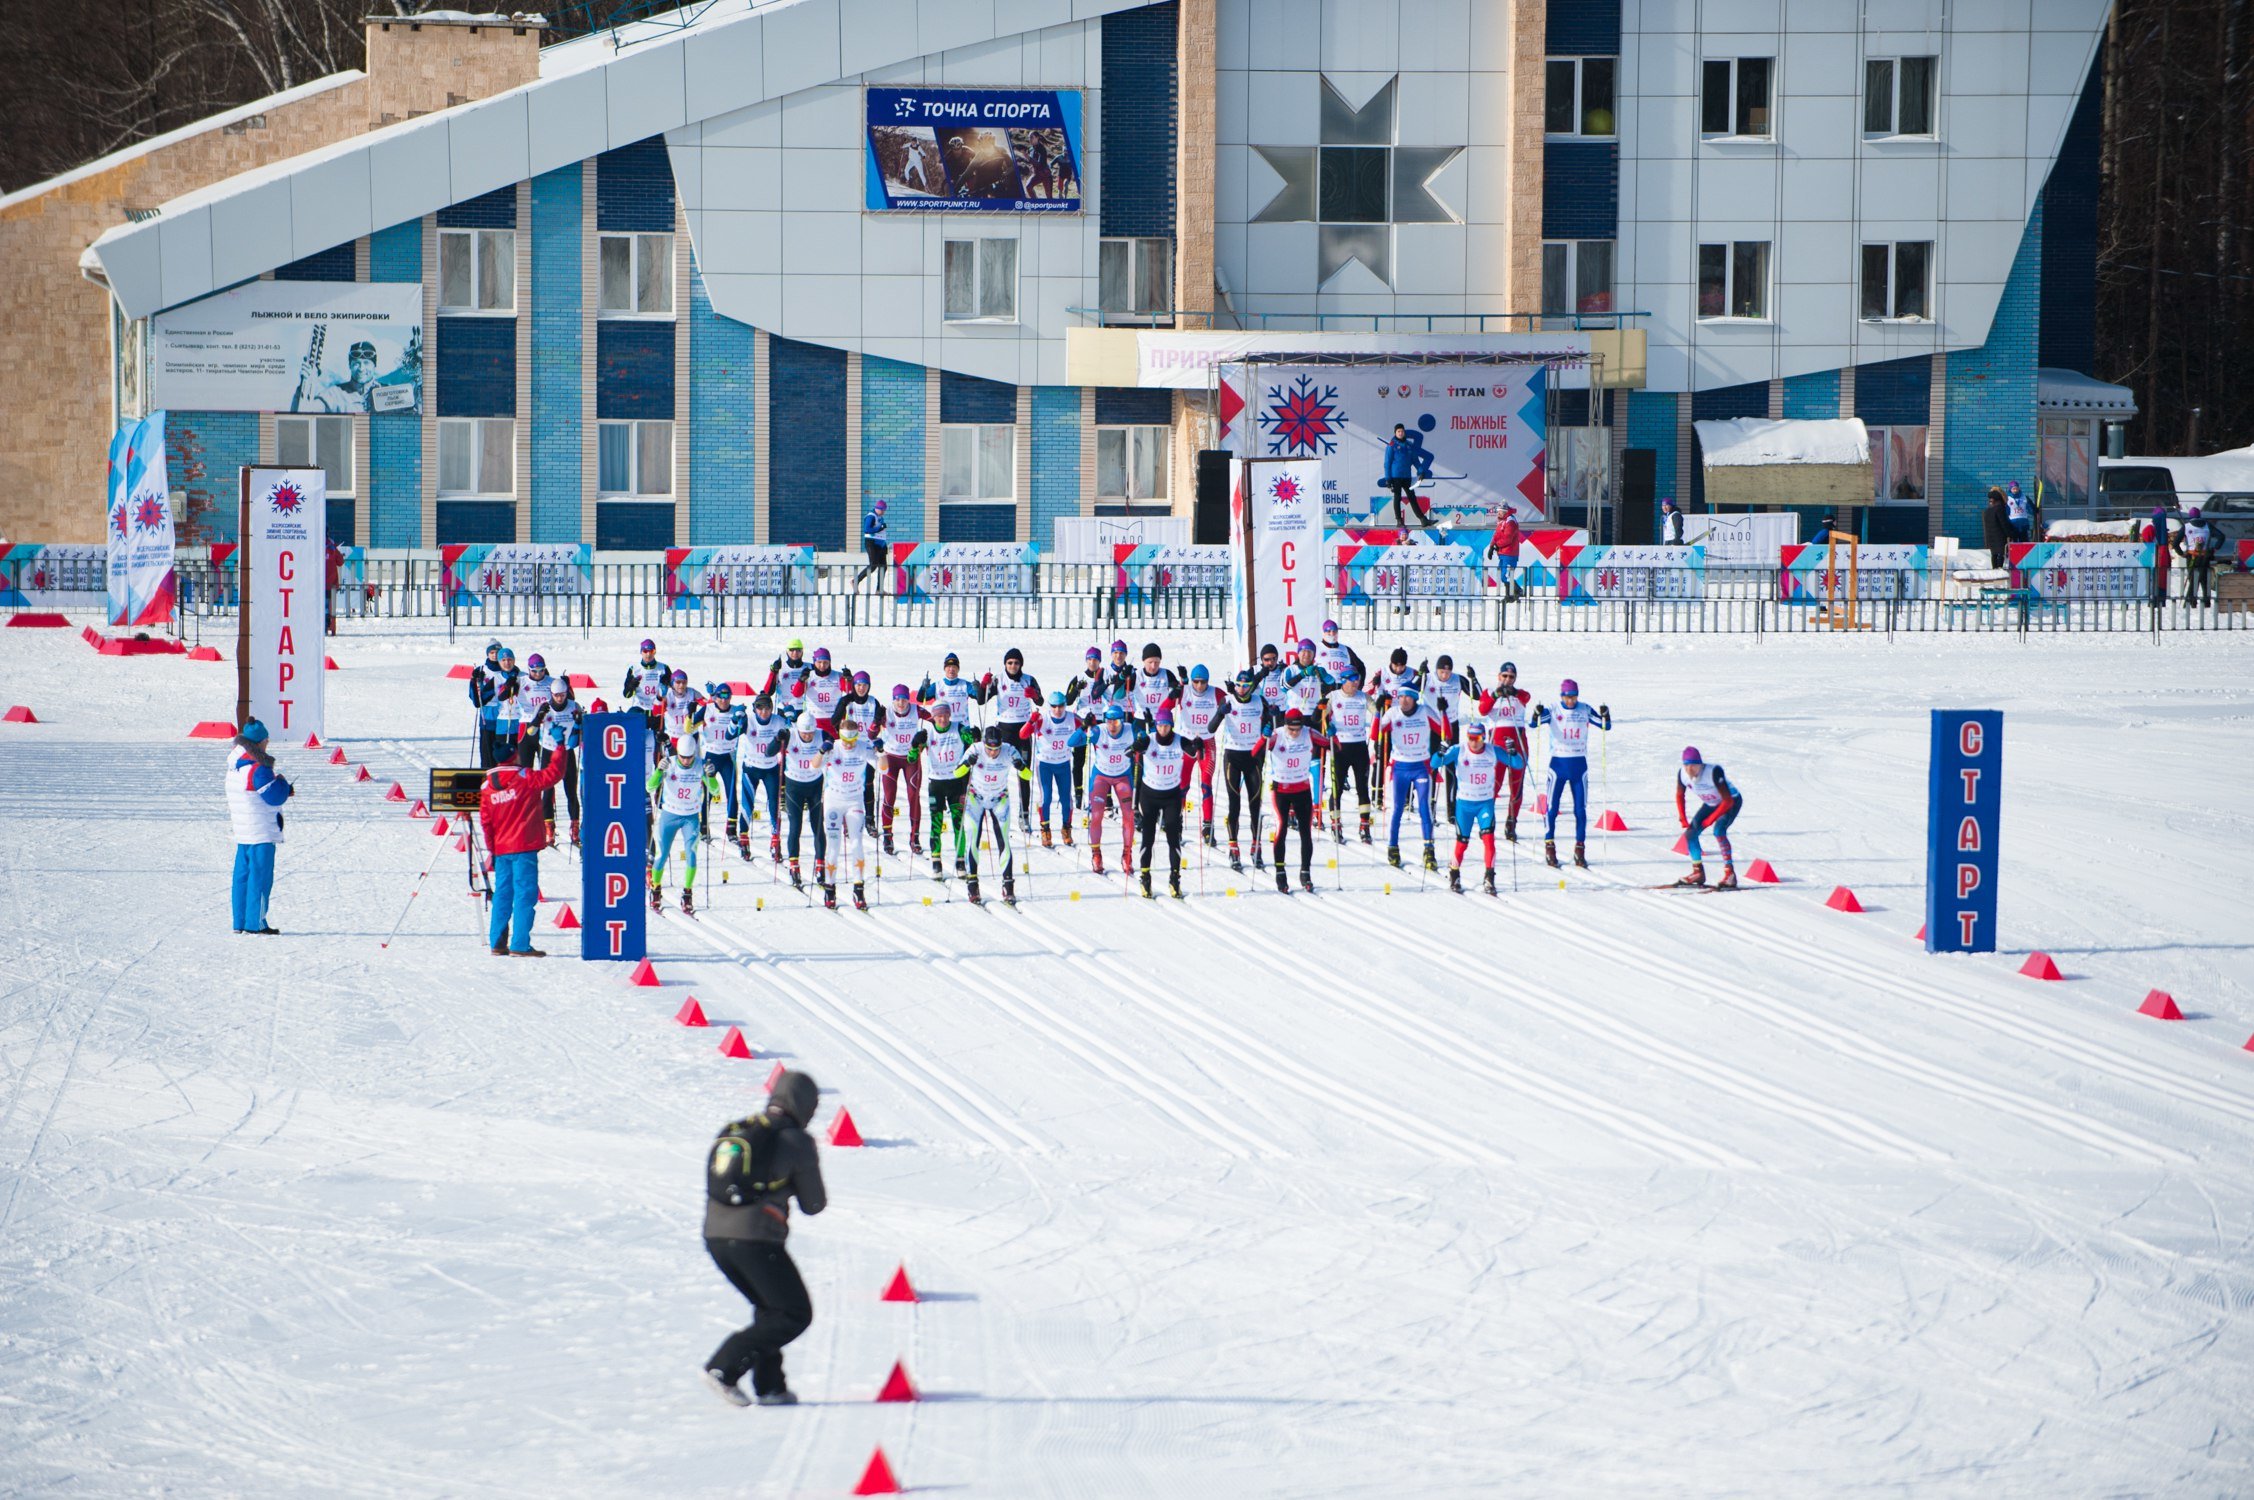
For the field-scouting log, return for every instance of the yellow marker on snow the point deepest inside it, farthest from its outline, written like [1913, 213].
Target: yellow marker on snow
[927, 901]
[759, 903]
[1072, 896]
[1330, 864]
[1389, 888]
[1561, 885]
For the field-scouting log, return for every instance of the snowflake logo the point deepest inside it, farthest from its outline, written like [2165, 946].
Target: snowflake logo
[149, 514]
[1608, 579]
[1302, 421]
[1284, 490]
[117, 521]
[287, 499]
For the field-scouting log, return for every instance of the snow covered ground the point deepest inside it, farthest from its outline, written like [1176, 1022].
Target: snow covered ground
[1595, 1191]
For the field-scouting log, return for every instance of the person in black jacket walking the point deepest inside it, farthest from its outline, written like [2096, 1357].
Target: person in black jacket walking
[756, 1167]
[1995, 529]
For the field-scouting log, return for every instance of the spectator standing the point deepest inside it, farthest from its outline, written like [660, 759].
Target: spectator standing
[2156, 533]
[1995, 529]
[2197, 545]
[2021, 510]
[255, 794]
[1670, 524]
[1401, 463]
[1506, 545]
[515, 832]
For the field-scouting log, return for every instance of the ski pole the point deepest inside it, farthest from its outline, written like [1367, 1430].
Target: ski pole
[1604, 785]
[414, 892]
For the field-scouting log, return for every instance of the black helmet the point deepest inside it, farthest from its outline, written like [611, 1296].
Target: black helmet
[993, 734]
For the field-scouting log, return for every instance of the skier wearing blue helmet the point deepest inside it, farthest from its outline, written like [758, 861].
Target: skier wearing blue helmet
[1197, 716]
[1051, 737]
[1112, 753]
[1412, 731]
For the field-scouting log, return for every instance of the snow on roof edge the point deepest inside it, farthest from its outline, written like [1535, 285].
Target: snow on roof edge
[1748, 442]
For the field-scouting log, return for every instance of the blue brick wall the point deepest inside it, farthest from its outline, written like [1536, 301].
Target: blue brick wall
[723, 510]
[892, 445]
[204, 452]
[2068, 335]
[1651, 424]
[1056, 458]
[475, 521]
[556, 302]
[394, 486]
[1583, 28]
[337, 263]
[1991, 396]
[1812, 397]
[477, 367]
[806, 445]
[633, 370]
[978, 523]
[967, 398]
[1133, 407]
[1895, 392]
[1580, 190]
[633, 526]
[494, 210]
[634, 188]
[1138, 104]
[1720, 404]
[396, 254]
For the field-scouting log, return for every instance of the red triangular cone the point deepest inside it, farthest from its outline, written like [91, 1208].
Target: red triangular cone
[329, 663]
[690, 1013]
[461, 844]
[897, 1385]
[18, 714]
[337, 757]
[1611, 822]
[643, 975]
[2039, 966]
[360, 773]
[1920, 933]
[567, 919]
[1761, 872]
[396, 794]
[439, 827]
[877, 1478]
[899, 1288]
[418, 810]
[2249, 1047]
[733, 1044]
[773, 1074]
[1842, 899]
[843, 1132]
[1682, 844]
[312, 742]
[2161, 1006]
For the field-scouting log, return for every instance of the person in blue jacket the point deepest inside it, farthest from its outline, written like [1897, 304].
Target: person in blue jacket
[255, 794]
[1405, 463]
[872, 544]
[485, 689]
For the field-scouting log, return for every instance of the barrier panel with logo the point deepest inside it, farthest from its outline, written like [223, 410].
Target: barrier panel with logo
[1146, 571]
[1591, 575]
[923, 571]
[1813, 572]
[694, 572]
[2082, 570]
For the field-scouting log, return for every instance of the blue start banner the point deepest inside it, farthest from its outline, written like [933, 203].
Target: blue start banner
[1963, 814]
[614, 836]
[974, 150]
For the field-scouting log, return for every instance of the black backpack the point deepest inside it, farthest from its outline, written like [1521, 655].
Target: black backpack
[741, 1164]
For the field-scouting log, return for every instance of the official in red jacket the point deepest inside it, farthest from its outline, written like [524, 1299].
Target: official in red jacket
[516, 832]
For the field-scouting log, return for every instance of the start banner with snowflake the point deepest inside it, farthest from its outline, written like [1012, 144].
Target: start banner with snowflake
[282, 550]
[923, 571]
[1276, 545]
[691, 572]
[1592, 575]
[1478, 433]
[1145, 572]
[2082, 570]
[141, 578]
[474, 568]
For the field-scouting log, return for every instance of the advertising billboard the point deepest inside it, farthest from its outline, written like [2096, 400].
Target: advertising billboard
[292, 346]
[974, 150]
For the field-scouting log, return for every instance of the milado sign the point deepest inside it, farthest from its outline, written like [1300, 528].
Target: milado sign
[280, 651]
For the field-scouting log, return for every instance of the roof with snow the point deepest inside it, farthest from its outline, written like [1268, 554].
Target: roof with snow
[1754, 442]
[2071, 393]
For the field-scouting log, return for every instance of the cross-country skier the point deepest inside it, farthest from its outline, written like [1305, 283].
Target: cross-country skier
[1161, 785]
[943, 748]
[1450, 692]
[804, 754]
[756, 1167]
[557, 731]
[1243, 729]
[1352, 718]
[1155, 686]
[680, 790]
[1294, 753]
[1337, 658]
[761, 760]
[845, 820]
[508, 710]
[786, 678]
[1016, 696]
[680, 706]
[897, 729]
[1479, 769]
[720, 722]
[1197, 718]
[857, 708]
[1119, 669]
[1052, 738]
[1270, 680]
[646, 682]
[1505, 711]
[1570, 723]
[1413, 731]
[1718, 803]
[958, 692]
[1111, 773]
[987, 778]
[825, 686]
[485, 681]
[1084, 694]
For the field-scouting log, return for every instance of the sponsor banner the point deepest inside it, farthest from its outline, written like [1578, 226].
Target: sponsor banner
[1184, 359]
[474, 568]
[283, 532]
[1364, 574]
[694, 572]
[1591, 575]
[1146, 571]
[292, 346]
[40, 573]
[973, 150]
[1883, 572]
[1276, 528]
[614, 764]
[2082, 570]
[1742, 541]
[1476, 434]
[1963, 818]
[923, 571]
[1537, 552]
[141, 574]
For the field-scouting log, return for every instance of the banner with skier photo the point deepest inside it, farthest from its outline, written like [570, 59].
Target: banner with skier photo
[1593, 575]
[973, 150]
[692, 573]
[142, 580]
[340, 347]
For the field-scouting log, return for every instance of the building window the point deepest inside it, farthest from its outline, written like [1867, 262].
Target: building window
[1734, 97]
[477, 270]
[477, 456]
[634, 460]
[1576, 277]
[1897, 280]
[2069, 460]
[978, 464]
[1898, 95]
[1135, 280]
[981, 281]
[1352, 185]
[1898, 465]
[323, 443]
[636, 275]
[1733, 280]
[1131, 465]
[1578, 96]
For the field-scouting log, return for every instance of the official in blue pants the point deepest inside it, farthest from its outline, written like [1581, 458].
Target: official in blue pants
[255, 795]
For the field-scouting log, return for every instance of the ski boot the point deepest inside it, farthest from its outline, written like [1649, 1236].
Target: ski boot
[1257, 862]
[743, 847]
[1048, 840]
[732, 830]
[1174, 887]
[1207, 834]
[829, 897]
[938, 868]
[1456, 880]
[1580, 856]
[1487, 882]
[860, 897]
[1510, 830]
[888, 842]
[1393, 855]
[657, 897]
[688, 902]
[971, 886]
[780, 1396]
[1283, 882]
[1096, 859]
[1431, 859]
[551, 828]
[1009, 890]
[726, 1389]
[1696, 877]
[775, 849]
[1146, 885]
[795, 883]
[962, 866]
[1068, 830]
[1366, 827]
[1236, 857]
[1549, 853]
[1307, 882]
[1728, 882]
[1318, 820]
[574, 833]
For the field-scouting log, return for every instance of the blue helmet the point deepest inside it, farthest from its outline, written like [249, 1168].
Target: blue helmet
[1115, 715]
[1056, 700]
[1407, 689]
[1198, 673]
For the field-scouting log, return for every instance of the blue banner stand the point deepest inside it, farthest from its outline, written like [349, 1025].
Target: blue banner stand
[614, 837]
[1963, 818]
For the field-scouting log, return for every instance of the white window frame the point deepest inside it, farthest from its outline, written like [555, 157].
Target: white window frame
[977, 434]
[314, 426]
[642, 436]
[1135, 438]
[1891, 290]
[1572, 249]
[481, 432]
[1580, 66]
[642, 247]
[979, 253]
[1736, 68]
[1730, 250]
[486, 246]
[1137, 250]
[1894, 82]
